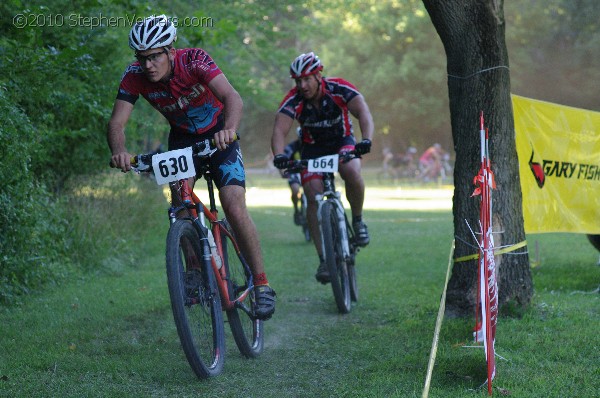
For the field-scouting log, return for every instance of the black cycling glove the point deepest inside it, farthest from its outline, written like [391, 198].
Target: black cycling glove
[363, 147]
[280, 161]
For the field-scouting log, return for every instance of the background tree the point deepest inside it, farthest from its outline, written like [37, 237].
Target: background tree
[473, 34]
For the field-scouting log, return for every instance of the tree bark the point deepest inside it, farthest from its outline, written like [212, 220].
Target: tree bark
[473, 35]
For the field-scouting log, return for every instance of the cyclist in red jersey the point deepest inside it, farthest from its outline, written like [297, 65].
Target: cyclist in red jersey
[322, 106]
[190, 91]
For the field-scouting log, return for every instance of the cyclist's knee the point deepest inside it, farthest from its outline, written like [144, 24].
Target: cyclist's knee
[351, 170]
[312, 188]
[353, 178]
[233, 199]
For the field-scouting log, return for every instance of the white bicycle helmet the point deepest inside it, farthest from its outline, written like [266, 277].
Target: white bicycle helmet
[305, 65]
[153, 32]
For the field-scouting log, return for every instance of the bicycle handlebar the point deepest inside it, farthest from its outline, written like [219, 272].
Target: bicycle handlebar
[295, 166]
[202, 149]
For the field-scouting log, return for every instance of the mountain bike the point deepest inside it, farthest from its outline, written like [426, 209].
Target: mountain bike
[206, 271]
[338, 239]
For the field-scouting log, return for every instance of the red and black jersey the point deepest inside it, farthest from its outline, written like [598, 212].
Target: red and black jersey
[185, 101]
[330, 122]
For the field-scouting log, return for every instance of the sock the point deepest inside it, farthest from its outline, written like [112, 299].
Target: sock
[356, 219]
[260, 279]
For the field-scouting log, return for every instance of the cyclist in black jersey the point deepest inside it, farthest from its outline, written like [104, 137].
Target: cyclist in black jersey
[322, 106]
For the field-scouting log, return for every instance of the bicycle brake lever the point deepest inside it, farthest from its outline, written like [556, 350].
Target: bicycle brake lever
[204, 148]
[138, 164]
[207, 151]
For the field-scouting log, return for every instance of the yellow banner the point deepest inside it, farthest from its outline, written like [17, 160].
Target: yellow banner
[559, 166]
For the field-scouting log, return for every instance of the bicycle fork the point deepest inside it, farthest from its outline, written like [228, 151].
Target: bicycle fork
[341, 219]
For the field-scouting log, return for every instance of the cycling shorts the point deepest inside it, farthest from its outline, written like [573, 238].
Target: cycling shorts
[226, 167]
[341, 145]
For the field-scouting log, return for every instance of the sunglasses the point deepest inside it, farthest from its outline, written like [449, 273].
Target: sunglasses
[153, 58]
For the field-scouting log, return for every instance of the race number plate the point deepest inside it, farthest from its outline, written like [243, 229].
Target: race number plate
[173, 165]
[325, 164]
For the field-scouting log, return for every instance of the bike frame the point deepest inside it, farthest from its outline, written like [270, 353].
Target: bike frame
[198, 212]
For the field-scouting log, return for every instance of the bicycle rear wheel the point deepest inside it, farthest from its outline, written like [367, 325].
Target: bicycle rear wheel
[247, 331]
[195, 301]
[351, 263]
[334, 257]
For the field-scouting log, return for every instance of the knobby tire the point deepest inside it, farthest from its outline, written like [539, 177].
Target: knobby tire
[352, 278]
[247, 331]
[351, 263]
[195, 301]
[334, 257]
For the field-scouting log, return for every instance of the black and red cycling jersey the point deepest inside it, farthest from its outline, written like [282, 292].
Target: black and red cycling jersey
[331, 121]
[185, 101]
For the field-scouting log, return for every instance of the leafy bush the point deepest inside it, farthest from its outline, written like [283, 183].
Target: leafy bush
[33, 226]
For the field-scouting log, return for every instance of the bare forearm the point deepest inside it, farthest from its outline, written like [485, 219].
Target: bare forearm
[115, 136]
[359, 109]
[281, 128]
[366, 126]
[277, 143]
[233, 111]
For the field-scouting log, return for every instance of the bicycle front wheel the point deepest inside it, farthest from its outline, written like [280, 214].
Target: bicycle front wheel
[195, 301]
[334, 257]
[247, 331]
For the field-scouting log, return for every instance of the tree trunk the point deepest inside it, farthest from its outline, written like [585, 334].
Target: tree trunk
[472, 33]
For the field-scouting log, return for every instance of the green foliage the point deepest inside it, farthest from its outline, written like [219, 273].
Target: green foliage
[53, 77]
[554, 47]
[32, 249]
[54, 104]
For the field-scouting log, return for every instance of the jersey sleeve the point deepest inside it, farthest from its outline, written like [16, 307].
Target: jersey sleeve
[288, 104]
[344, 88]
[200, 65]
[128, 88]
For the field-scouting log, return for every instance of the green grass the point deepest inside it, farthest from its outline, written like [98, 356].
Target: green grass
[111, 333]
